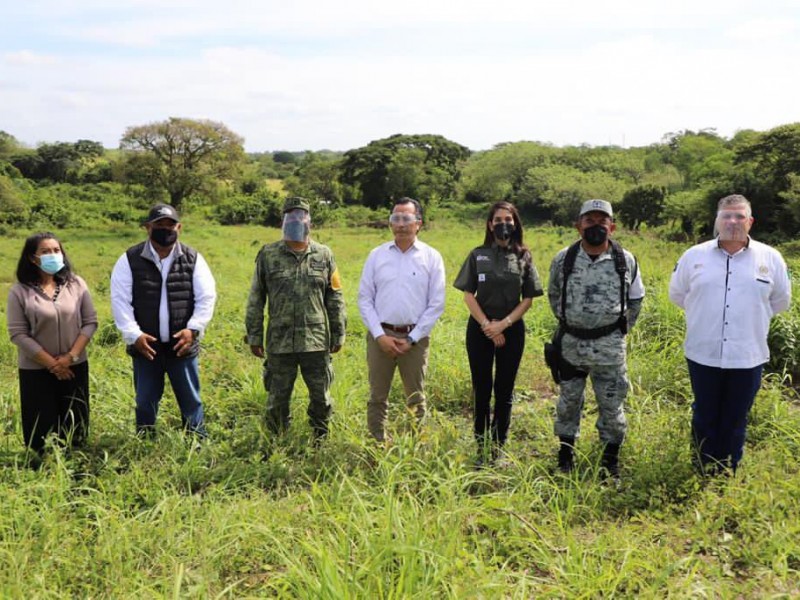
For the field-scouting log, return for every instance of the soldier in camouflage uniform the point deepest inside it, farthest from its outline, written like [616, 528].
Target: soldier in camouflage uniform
[306, 320]
[593, 322]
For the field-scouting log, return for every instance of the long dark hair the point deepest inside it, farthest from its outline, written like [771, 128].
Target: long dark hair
[28, 271]
[515, 243]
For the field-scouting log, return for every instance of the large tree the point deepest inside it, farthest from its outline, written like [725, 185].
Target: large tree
[375, 171]
[182, 156]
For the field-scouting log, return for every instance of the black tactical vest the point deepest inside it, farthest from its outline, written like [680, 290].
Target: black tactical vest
[147, 290]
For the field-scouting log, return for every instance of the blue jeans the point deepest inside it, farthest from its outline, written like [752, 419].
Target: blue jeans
[148, 379]
[722, 401]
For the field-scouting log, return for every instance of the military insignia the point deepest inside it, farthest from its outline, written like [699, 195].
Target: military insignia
[481, 277]
[481, 257]
[336, 280]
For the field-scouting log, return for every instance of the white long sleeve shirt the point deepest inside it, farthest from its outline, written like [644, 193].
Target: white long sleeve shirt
[203, 286]
[402, 288]
[729, 301]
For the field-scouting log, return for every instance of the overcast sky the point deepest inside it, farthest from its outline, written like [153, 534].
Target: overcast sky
[314, 74]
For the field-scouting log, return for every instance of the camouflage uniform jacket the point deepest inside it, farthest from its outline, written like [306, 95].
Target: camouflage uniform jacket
[593, 300]
[306, 310]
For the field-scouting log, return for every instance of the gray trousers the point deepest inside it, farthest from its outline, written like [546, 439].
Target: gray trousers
[610, 384]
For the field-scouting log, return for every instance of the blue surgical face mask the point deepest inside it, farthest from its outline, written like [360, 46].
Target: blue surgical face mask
[51, 263]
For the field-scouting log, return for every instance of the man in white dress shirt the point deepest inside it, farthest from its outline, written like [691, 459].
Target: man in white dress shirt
[730, 288]
[400, 297]
[162, 298]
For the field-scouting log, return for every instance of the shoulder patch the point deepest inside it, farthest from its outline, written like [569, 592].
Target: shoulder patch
[336, 280]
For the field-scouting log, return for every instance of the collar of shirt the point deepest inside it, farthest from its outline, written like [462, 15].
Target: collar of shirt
[160, 262]
[288, 249]
[413, 246]
[746, 246]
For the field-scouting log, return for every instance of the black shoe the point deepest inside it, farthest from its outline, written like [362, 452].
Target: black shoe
[610, 461]
[566, 455]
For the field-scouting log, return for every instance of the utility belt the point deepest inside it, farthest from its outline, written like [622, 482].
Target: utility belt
[560, 368]
[593, 334]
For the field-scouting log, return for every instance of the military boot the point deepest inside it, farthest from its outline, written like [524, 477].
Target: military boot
[566, 452]
[610, 461]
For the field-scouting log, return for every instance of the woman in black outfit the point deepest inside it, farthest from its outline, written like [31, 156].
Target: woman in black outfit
[499, 282]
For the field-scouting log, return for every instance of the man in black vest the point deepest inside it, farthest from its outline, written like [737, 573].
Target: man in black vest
[162, 298]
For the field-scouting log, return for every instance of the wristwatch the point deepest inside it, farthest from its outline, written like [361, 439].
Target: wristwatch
[73, 357]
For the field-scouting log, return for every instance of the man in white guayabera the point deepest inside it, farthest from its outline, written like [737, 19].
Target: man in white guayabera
[729, 287]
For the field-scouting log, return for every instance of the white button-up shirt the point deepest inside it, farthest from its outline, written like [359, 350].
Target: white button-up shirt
[402, 288]
[203, 287]
[729, 301]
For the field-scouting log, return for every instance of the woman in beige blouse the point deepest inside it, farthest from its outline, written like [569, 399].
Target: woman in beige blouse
[51, 319]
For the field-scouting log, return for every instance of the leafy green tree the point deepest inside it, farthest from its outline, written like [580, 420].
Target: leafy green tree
[8, 144]
[499, 173]
[182, 156]
[317, 178]
[767, 167]
[700, 157]
[372, 173]
[641, 204]
[63, 162]
[13, 210]
[284, 157]
[556, 192]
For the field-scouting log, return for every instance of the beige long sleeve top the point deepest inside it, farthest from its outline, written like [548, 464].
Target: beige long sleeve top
[36, 322]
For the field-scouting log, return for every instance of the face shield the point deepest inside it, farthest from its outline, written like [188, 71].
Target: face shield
[732, 225]
[296, 225]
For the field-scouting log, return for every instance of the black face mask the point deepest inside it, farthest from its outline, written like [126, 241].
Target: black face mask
[164, 237]
[504, 231]
[596, 235]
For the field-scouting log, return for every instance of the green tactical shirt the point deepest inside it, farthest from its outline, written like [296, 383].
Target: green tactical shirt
[306, 306]
[499, 280]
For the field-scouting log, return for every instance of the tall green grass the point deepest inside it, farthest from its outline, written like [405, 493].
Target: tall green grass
[247, 514]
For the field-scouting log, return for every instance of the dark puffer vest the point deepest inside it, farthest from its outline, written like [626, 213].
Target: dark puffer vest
[147, 290]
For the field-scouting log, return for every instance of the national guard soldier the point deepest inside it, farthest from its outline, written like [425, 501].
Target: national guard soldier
[306, 318]
[596, 292]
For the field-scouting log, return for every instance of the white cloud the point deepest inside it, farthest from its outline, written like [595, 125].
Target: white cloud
[27, 58]
[764, 30]
[637, 78]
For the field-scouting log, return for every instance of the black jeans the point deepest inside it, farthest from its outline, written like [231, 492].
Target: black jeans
[484, 358]
[49, 404]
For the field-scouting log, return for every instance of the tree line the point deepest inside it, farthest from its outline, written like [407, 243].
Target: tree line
[672, 184]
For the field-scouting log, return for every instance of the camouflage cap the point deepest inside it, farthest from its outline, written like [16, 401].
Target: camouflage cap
[294, 202]
[603, 206]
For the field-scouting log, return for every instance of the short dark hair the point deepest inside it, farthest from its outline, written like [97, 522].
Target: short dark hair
[407, 200]
[735, 200]
[28, 272]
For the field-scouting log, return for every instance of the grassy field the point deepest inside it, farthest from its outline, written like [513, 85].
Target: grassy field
[250, 515]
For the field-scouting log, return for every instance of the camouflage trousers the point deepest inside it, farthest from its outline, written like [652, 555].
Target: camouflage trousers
[610, 384]
[280, 372]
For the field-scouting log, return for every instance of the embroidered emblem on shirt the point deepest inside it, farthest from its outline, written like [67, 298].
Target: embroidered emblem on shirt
[481, 276]
[481, 257]
[763, 270]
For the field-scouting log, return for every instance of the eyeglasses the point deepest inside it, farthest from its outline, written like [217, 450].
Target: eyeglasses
[401, 219]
